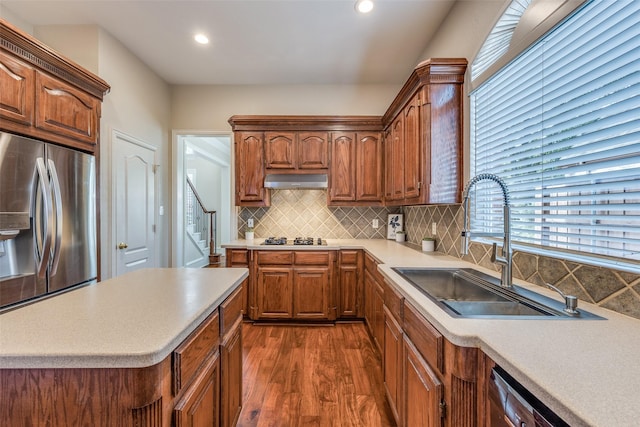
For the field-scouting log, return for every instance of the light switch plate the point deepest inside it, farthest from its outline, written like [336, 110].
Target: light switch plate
[434, 228]
[250, 222]
[374, 223]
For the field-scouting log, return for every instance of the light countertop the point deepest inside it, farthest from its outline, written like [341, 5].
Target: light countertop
[587, 371]
[130, 321]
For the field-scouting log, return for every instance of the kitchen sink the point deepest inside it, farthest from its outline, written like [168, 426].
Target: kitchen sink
[465, 292]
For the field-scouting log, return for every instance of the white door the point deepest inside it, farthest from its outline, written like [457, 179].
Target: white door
[134, 202]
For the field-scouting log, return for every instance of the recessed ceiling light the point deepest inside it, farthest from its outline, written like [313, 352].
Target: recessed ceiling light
[201, 38]
[364, 6]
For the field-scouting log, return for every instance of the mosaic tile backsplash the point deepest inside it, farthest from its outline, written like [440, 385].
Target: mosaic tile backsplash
[305, 213]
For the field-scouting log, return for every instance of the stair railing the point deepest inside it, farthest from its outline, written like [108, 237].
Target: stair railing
[202, 219]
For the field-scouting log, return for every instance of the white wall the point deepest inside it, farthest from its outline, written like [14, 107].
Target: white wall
[209, 107]
[139, 105]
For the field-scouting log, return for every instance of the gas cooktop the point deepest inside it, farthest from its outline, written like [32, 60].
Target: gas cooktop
[304, 241]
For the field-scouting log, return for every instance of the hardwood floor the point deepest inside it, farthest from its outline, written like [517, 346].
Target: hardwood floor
[312, 376]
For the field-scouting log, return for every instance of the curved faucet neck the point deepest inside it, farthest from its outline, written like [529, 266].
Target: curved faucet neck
[506, 258]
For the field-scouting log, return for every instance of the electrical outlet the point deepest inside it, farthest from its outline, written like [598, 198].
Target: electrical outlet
[434, 228]
[250, 222]
[374, 223]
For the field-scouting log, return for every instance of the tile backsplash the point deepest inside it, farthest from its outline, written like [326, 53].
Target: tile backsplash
[616, 290]
[305, 213]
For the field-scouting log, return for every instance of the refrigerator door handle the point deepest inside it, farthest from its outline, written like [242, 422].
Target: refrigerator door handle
[43, 231]
[55, 184]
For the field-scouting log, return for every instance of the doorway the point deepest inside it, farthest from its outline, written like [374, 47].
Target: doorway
[204, 158]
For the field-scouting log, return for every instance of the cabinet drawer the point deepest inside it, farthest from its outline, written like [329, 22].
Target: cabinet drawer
[231, 309]
[393, 300]
[426, 338]
[193, 351]
[370, 264]
[348, 257]
[312, 258]
[237, 257]
[274, 257]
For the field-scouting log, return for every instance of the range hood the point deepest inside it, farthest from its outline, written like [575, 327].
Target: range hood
[296, 181]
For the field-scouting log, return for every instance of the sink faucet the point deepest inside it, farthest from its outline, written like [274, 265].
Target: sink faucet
[505, 259]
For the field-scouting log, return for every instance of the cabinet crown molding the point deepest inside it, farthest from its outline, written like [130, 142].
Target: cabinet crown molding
[41, 56]
[429, 72]
[300, 123]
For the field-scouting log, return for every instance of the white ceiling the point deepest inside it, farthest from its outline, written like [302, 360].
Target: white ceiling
[258, 41]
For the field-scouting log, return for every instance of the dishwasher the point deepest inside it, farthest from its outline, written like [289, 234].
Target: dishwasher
[511, 405]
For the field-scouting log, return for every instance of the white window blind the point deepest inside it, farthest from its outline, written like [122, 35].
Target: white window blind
[561, 126]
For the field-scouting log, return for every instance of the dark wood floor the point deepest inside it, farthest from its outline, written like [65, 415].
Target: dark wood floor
[312, 376]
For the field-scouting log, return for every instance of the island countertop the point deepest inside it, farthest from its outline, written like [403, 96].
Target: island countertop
[130, 321]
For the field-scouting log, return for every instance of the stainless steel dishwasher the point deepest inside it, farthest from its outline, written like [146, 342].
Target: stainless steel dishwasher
[511, 405]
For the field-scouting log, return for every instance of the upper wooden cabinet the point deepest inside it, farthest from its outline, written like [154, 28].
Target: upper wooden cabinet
[249, 162]
[296, 151]
[356, 169]
[423, 136]
[44, 95]
[334, 145]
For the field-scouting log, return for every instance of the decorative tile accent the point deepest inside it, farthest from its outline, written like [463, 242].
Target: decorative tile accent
[616, 290]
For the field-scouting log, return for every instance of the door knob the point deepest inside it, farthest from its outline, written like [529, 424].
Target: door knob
[122, 245]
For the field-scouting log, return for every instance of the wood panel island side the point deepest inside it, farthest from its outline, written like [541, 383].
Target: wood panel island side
[154, 347]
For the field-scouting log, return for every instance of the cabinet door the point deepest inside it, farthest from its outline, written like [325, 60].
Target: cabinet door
[423, 390]
[313, 150]
[231, 372]
[378, 325]
[388, 161]
[65, 111]
[393, 364]
[200, 404]
[249, 153]
[369, 167]
[274, 286]
[369, 300]
[398, 165]
[343, 171]
[412, 144]
[279, 150]
[348, 291]
[311, 291]
[17, 90]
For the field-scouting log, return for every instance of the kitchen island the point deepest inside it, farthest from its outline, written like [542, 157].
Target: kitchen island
[586, 371]
[139, 349]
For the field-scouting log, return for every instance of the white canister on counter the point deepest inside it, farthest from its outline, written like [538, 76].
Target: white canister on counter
[428, 244]
[248, 235]
[400, 236]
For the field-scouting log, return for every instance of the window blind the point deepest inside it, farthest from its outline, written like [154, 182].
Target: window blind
[561, 126]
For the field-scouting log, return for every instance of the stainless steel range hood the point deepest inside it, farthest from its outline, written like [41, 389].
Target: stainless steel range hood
[296, 181]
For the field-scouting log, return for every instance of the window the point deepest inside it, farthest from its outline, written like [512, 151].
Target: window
[560, 125]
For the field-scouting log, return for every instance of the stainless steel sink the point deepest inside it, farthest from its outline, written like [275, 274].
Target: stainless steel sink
[464, 292]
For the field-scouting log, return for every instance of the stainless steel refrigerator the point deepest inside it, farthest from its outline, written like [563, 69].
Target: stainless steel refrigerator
[47, 219]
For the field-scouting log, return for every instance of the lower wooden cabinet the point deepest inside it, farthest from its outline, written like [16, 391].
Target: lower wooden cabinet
[393, 364]
[311, 293]
[293, 285]
[274, 288]
[423, 391]
[374, 302]
[350, 284]
[231, 383]
[200, 405]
